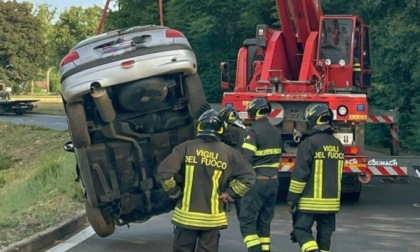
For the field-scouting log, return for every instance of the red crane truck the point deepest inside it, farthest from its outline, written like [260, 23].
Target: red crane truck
[314, 58]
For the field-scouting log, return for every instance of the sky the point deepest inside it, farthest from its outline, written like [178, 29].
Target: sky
[66, 4]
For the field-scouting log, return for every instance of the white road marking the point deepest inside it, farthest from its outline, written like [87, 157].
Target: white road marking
[73, 241]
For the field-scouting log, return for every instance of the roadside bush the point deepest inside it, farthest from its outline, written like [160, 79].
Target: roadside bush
[2, 182]
[6, 161]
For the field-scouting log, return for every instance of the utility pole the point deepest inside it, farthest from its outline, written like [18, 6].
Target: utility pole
[161, 12]
[48, 79]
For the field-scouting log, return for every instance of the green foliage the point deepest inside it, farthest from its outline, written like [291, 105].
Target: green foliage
[134, 12]
[6, 161]
[22, 47]
[2, 182]
[73, 25]
[52, 176]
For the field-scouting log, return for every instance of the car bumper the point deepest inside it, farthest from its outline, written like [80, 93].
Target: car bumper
[112, 73]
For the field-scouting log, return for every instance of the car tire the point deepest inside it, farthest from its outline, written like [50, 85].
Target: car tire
[76, 120]
[195, 94]
[98, 222]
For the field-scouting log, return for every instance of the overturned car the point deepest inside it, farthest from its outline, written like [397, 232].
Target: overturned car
[130, 96]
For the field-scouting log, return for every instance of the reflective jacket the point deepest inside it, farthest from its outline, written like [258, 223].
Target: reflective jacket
[206, 167]
[262, 147]
[316, 178]
[234, 136]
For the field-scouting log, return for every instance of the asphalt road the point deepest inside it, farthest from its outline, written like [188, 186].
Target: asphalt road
[383, 220]
[49, 121]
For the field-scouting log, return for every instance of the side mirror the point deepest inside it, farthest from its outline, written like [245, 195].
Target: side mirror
[68, 146]
[224, 75]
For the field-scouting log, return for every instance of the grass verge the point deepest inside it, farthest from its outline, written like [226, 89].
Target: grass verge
[37, 187]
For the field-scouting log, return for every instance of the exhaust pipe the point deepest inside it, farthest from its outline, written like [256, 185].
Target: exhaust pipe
[103, 102]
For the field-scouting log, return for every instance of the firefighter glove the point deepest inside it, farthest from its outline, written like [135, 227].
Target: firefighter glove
[291, 207]
[175, 193]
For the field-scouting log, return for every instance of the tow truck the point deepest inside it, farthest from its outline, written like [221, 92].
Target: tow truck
[315, 58]
[18, 107]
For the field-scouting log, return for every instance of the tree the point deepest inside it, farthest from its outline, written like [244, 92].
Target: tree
[134, 12]
[22, 48]
[73, 26]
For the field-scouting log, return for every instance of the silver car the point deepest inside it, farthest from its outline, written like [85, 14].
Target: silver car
[130, 96]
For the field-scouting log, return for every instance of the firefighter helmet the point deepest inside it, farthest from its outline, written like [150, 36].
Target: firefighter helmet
[320, 114]
[210, 124]
[258, 107]
[231, 116]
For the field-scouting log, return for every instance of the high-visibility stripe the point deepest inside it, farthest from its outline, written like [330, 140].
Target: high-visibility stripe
[250, 147]
[323, 205]
[189, 175]
[251, 240]
[268, 152]
[168, 184]
[265, 247]
[309, 246]
[265, 243]
[199, 219]
[239, 188]
[273, 165]
[340, 174]
[318, 178]
[265, 239]
[296, 186]
[214, 195]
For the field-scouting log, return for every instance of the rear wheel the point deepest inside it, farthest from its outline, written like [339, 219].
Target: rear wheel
[76, 120]
[195, 94]
[98, 222]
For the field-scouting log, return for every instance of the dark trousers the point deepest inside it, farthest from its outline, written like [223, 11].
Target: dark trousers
[190, 240]
[256, 214]
[325, 226]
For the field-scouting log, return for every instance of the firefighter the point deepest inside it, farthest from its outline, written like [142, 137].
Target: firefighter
[235, 130]
[314, 192]
[197, 176]
[262, 148]
[233, 136]
[357, 69]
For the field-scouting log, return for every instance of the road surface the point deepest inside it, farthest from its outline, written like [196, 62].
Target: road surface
[383, 220]
[50, 121]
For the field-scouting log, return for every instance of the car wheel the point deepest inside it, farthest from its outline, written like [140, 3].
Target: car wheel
[76, 120]
[98, 222]
[195, 94]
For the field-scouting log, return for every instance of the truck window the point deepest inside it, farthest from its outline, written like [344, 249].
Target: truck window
[336, 39]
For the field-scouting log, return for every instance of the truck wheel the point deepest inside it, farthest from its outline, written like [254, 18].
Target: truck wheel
[76, 119]
[98, 222]
[195, 94]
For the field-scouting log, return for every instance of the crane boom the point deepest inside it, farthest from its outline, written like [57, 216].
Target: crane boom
[298, 18]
